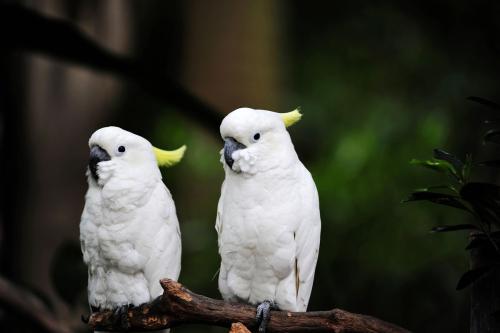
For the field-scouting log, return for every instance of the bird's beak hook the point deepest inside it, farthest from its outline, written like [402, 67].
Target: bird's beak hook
[97, 154]
[230, 146]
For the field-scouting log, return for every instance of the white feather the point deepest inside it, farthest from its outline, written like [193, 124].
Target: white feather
[268, 219]
[129, 230]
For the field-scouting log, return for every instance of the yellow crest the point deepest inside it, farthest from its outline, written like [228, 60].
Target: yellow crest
[290, 118]
[166, 158]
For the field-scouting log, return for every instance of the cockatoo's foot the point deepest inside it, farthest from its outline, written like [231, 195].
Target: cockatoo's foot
[92, 310]
[121, 314]
[263, 314]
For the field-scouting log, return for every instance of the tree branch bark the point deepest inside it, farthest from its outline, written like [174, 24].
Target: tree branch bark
[178, 306]
[238, 328]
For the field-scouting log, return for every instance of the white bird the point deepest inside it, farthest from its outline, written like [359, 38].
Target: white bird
[129, 230]
[268, 218]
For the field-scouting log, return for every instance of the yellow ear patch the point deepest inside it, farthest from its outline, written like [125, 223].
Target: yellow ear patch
[290, 118]
[166, 158]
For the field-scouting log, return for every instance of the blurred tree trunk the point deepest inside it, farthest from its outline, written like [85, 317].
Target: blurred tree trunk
[63, 102]
[485, 293]
[219, 39]
[14, 167]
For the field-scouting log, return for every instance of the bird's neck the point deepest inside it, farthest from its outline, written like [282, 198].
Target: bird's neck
[128, 194]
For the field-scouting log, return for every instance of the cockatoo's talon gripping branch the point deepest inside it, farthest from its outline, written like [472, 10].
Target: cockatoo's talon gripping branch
[263, 314]
[178, 306]
[121, 315]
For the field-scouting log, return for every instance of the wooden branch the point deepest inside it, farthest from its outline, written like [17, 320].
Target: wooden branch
[238, 328]
[179, 305]
[30, 306]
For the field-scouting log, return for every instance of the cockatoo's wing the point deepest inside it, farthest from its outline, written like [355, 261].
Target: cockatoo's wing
[218, 220]
[225, 266]
[307, 239]
[164, 245]
[90, 245]
[223, 288]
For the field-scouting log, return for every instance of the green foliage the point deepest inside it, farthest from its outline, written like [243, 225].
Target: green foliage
[441, 166]
[480, 199]
[367, 111]
[471, 276]
[448, 164]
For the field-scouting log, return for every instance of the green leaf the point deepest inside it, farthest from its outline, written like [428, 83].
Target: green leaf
[436, 165]
[438, 198]
[455, 162]
[466, 170]
[446, 228]
[482, 240]
[484, 101]
[472, 276]
[437, 188]
[492, 136]
[485, 214]
[477, 242]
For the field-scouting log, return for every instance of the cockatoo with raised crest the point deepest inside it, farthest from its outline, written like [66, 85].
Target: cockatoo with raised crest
[129, 230]
[268, 218]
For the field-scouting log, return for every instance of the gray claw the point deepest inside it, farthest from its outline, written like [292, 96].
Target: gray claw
[263, 314]
[122, 315]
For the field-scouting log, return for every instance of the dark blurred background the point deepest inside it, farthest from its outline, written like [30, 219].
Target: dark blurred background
[379, 82]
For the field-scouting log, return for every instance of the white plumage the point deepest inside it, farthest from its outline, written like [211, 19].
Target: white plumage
[129, 230]
[268, 219]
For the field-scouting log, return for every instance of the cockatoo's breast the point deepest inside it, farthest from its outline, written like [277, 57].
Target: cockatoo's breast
[129, 245]
[256, 242]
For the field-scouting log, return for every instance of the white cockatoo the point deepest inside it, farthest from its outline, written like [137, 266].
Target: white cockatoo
[129, 230]
[268, 218]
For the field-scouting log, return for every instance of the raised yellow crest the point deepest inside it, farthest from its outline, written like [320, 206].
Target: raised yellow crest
[167, 158]
[290, 118]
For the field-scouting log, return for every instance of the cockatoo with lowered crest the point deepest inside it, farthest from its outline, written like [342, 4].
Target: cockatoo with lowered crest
[129, 230]
[268, 218]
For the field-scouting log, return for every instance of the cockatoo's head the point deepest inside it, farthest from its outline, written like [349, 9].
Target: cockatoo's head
[257, 140]
[115, 152]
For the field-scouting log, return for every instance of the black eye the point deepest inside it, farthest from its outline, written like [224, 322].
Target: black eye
[121, 149]
[256, 136]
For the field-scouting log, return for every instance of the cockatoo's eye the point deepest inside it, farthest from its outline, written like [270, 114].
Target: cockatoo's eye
[121, 149]
[256, 137]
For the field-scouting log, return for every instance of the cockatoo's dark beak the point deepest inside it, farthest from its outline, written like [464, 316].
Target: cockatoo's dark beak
[97, 154]
[230, 146]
